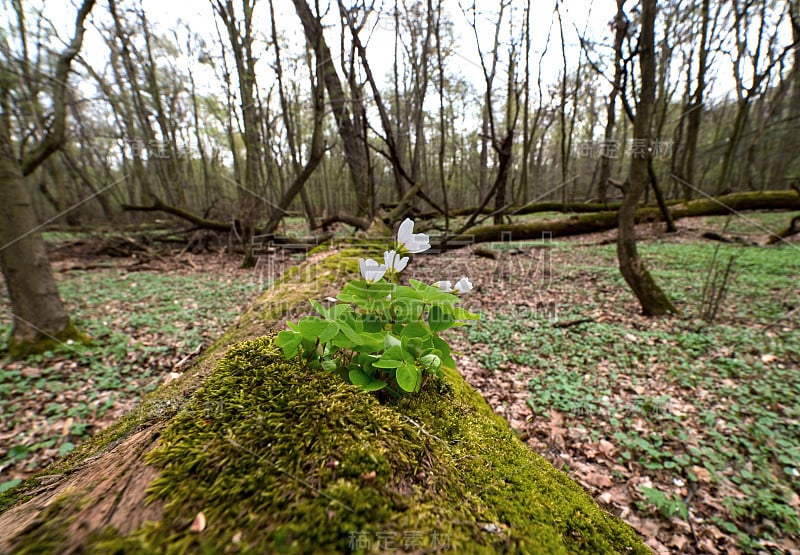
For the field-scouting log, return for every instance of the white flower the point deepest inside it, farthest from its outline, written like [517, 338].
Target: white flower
[410, 241]
[393, 261]
[371, 270]
[464, 285]
[444, 285]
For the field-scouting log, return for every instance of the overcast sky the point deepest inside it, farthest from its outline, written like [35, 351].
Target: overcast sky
[591, 17]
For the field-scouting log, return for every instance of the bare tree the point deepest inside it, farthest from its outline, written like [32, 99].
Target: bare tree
[240, 35]
[502, 142]
[651, 298]
[40, 318]
[317, 147]
[354, 145]
[694, 107]
[620, 25]
[763, 57]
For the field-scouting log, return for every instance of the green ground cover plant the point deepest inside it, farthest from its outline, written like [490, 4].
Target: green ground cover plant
[142, 324]
[698, 409]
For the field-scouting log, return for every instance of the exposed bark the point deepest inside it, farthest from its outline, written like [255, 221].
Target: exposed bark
[114, 483]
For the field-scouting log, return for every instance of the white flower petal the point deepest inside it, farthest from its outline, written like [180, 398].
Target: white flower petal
[405, 231]
[394, 262]
[410, 241]
[371, 271]
[464, 285]
[444, 285]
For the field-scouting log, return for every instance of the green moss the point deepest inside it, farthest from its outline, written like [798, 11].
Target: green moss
[42, 342]
[282, 459]
[17, 494]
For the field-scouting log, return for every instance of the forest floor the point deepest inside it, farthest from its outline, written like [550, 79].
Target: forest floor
[689, 430]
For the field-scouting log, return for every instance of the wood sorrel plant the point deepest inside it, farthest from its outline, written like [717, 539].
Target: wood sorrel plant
[382, 335]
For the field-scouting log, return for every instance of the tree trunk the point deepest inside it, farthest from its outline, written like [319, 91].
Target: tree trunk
[652, 299]
[317, 141]
[695, 109]
[240, 35]
[354, 146]
[598, 220]
[40, 320]
[662, 203]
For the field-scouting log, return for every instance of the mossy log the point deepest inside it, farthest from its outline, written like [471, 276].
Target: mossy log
[602, 221]
[282, 459]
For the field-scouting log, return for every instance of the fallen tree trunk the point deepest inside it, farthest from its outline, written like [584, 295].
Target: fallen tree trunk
[792, 229]
[251, 453]
[222, 227]
[603, 221]
[530, 208]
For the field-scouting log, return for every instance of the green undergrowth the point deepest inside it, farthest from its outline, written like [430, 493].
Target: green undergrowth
[761, 275]
[706, 405]
[140, 325]
[290, 460]
[751, 224]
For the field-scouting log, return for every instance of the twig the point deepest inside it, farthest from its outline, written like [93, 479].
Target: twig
[570, 323]
[782, 318]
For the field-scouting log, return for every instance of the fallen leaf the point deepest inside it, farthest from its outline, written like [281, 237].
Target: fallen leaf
[607, 448]
[31, 372]
[598, 480]
[199, 523]
[707, 545]
[66, 426]
[703, 475]
[679, 543]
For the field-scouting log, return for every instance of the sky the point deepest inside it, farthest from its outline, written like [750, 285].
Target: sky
[591, 17]
[587, 17]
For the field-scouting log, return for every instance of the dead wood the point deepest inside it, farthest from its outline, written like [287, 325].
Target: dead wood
[579, 224]
[793, 229]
